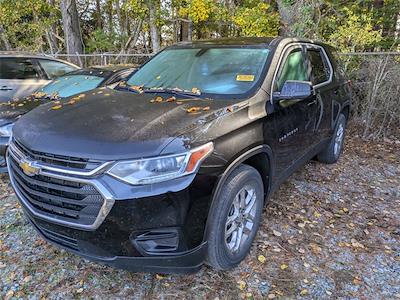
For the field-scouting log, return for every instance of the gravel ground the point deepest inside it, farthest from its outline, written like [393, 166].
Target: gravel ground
[331, 231]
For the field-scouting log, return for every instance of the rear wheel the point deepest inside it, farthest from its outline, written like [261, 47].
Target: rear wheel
[235, 218]
[332, 152]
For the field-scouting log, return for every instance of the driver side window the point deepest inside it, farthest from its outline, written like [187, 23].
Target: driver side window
[294, 68]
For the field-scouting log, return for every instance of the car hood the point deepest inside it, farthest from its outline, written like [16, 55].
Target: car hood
[110, 124]
[11, 111]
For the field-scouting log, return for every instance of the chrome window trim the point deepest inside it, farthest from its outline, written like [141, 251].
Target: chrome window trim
[108, 198]
[308, 46]
[61, 170]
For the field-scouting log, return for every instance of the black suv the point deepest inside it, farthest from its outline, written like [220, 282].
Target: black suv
[173, 167]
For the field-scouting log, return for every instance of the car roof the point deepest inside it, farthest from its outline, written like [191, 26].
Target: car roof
[21, 54]
[268, 42]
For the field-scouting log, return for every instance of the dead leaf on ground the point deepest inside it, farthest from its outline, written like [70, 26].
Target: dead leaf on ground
[56, 107]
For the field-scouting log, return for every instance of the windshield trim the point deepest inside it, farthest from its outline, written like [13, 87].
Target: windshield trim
[251, 92]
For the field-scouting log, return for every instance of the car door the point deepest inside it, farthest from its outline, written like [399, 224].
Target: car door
[19, 77]
[293, 124]
[321, 73]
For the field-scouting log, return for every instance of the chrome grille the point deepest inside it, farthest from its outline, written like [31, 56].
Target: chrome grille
[68, 162]
[64, 200]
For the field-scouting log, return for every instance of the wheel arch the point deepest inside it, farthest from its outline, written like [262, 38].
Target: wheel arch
[253, 157]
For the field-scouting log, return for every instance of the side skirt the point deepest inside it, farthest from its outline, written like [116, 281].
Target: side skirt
[299, 163]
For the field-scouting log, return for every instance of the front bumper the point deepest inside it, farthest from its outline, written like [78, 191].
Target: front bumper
[156, 228]
[179, 263]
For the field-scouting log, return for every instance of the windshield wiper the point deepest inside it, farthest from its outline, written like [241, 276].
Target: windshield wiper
[122, 85]
[172, 91]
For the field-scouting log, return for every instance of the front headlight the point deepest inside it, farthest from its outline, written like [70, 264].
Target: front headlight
[158, 169]
[6, 130]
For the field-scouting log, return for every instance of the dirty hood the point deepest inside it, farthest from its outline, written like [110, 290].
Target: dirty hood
[110, 124]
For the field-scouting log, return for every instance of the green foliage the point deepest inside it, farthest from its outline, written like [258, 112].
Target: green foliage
[199, 10]
[26, 22]
[257, 19]
[356, 33]
[100, 41]
[358, 25]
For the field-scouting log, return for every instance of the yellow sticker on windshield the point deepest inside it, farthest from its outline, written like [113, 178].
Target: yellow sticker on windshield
[245, 77]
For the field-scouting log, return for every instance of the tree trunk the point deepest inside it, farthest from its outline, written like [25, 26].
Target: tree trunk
[154, 31]
[99, 19]
[51, 35]
[72, 31]
[110, 16]
[4, 39]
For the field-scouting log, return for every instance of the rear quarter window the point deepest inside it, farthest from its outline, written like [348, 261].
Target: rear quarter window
[320, 71]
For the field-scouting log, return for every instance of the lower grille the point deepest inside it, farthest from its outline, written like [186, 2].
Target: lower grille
[59, 239]
[63, 200]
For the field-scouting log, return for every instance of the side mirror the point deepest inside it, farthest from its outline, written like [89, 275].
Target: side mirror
[293, 91]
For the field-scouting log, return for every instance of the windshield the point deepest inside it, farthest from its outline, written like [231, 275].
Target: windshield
[229, 71]
[72, 84]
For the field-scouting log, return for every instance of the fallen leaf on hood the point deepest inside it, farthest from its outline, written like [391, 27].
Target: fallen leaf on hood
[196, 91]
[171, 99]
[56, 107]
[193, 109]
[159, 99]
[206, 108]
[72, 101]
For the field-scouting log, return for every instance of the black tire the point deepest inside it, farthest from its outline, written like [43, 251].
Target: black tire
[243, 178]
[329, 155]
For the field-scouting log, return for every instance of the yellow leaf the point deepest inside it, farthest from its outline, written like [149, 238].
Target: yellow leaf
[56, 107]
[159, 277]
[284, 266]
[261, 259]
[303, 292]
[242, 285]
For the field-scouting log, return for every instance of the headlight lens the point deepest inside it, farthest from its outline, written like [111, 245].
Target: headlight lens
[163, 168]
[6, 130]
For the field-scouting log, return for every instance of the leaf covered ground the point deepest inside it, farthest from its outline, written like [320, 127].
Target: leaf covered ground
[330, 231]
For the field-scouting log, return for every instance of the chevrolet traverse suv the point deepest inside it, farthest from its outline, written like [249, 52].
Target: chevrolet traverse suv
[172, 168]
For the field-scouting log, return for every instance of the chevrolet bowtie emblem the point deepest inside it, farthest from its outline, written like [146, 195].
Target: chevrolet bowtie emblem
[29, 168]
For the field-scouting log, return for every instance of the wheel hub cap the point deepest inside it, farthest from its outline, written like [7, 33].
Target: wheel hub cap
[240, 219]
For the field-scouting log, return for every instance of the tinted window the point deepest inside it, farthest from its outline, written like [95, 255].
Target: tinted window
[18, 68]
[319, 69]
[55, 69]
[294, 68]
[210, 70]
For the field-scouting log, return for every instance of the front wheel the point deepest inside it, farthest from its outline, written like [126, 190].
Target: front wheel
[235, 218]
[332, 152]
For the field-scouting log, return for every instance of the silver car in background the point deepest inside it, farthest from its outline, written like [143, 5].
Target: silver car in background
[23, 74]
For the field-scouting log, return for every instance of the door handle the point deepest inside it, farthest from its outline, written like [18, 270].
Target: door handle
[5, 88]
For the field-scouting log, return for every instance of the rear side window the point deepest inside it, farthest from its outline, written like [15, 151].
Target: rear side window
[294, 68]
[55, 69]
[319, 67]
[18, 68]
